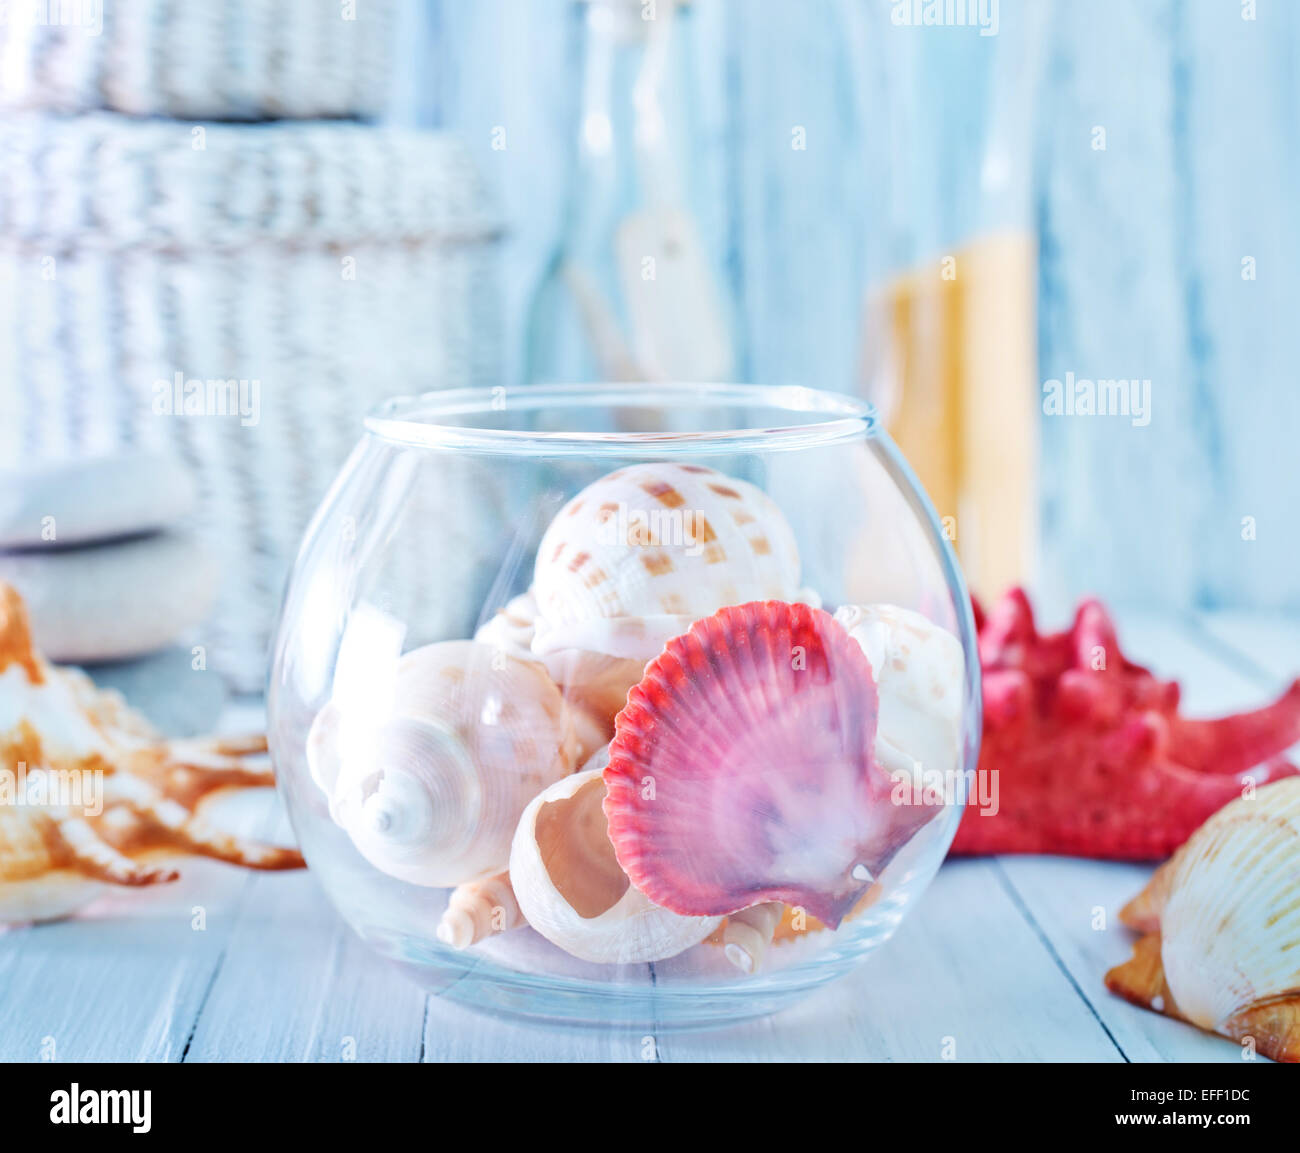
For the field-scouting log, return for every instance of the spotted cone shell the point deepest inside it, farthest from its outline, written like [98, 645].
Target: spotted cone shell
[639, 555]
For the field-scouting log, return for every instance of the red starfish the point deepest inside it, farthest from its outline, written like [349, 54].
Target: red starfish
[1092, 756]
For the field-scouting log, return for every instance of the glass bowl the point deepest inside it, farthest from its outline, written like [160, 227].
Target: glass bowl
[560, 724]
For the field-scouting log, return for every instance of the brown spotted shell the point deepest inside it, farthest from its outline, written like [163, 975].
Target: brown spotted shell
[640, 554]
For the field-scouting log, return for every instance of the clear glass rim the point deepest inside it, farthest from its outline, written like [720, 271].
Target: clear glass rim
[420, 420]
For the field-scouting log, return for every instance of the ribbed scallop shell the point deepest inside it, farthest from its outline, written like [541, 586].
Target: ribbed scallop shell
[432, 793]
[1230, 929]
[920, 675]
[640, 554]
[570, 889]
[743, 769]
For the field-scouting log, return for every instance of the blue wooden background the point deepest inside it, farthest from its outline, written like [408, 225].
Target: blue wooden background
[1141, 246]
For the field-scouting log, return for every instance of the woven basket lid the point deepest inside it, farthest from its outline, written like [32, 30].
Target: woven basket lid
[234, 60]
[103, 181]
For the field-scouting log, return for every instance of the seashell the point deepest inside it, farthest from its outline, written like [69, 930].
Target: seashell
[510, 629]
[431, 792]
[748, 933]
[1226, 953]
[53, 862]
[594, 687]
[920, 675]
[640, 554]
[572, 891]
[91, 795]
[742, 770]
[479, 909]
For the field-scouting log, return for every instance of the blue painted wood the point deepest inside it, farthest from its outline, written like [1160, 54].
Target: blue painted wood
[1141, 244]
[1142, 276]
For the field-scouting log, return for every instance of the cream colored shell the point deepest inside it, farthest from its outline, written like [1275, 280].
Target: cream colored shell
[920, 675]
[510, 630]
[594, 687]
[571, 890]
[638, 556]
[1230, 929]
[431, 792]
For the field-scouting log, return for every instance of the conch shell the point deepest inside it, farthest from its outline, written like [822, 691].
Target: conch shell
[571, 890]
[91, 795]
[1223, 914]
[920, 675]
[431, 792]
[639, 555]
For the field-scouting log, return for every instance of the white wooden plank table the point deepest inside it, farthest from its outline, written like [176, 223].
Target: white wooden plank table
[1002, 959]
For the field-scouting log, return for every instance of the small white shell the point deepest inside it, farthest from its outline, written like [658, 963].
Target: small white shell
[638, 556]
[749, 933]
[477, 910]
[571, 890]
[1230, 929]
[594, 686]
[920, 673]
[510, 630]
[431, 794]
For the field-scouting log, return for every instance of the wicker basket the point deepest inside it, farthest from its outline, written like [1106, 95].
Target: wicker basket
[234, 60]
[333, 264]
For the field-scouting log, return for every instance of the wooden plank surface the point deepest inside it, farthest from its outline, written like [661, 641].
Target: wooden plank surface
[965, 978]
[1001, 959]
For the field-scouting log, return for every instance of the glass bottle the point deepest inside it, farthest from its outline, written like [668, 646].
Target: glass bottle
[949, 348]
[629, 294]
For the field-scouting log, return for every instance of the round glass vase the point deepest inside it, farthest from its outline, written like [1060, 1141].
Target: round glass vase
[694, 837]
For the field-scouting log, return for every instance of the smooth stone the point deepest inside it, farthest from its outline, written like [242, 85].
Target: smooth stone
[93, 499]
[112, 601]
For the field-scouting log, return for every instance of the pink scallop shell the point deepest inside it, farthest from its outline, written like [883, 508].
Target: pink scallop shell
[741, 768]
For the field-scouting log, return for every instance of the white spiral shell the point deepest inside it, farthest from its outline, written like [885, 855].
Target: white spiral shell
[571, 890]
[1230, 928]
[432, 792]
[920, 675]
[639, 555]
